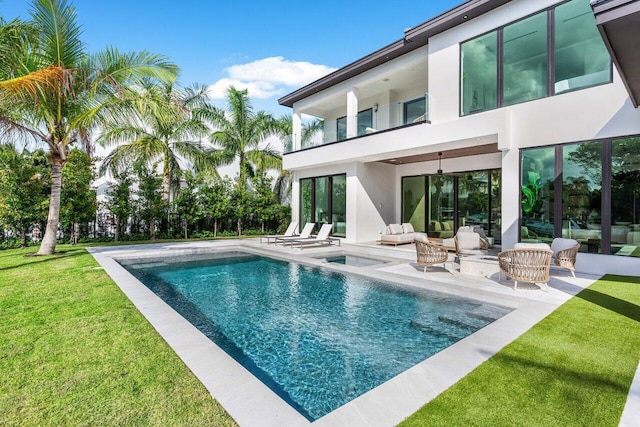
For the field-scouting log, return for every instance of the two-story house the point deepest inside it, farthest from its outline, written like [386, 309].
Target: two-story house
[516, 115]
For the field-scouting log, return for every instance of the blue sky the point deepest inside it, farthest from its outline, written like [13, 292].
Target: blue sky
[272, 48]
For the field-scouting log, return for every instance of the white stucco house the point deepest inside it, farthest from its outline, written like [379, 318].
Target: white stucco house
[517, 115]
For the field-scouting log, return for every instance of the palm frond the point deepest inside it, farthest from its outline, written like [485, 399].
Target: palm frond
[60, 41]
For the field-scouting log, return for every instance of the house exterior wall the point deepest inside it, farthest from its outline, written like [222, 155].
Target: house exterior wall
[374, 189]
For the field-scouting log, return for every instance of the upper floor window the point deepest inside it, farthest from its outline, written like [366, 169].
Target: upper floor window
[524, 60]
[551, 52]
[365, 120]
[415, 111]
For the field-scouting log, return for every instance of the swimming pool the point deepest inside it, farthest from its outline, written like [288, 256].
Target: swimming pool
[317, 338]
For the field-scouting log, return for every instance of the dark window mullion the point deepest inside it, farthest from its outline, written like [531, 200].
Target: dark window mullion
[557, 193]
[500, 67]
[605, 202]
[551, 50]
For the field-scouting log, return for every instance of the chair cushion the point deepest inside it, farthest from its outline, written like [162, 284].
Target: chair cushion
[560, 244]
[468, 241]
[407, 227]
[395, 229]
[446, 226]
[524, 245]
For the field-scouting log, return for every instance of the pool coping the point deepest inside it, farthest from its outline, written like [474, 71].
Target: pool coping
[251, 403]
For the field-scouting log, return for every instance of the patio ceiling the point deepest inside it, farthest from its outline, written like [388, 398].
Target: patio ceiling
[619, 25]
[446, 154]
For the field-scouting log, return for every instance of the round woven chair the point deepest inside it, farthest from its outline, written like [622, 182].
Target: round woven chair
[530, 265]
[430, 254]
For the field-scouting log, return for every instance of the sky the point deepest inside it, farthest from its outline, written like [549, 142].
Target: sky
[270, 48]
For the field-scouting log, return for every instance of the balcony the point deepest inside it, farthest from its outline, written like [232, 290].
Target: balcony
[318, 131]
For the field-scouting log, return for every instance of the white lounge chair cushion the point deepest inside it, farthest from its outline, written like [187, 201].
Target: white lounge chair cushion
[560, 244]
[394, 229]
[407, 227]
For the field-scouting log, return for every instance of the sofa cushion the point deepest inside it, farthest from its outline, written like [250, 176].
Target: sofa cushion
[407, 227]
[395, 229]
[446, 226]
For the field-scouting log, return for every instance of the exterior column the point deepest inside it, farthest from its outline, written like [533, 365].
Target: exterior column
[296, 137]
[352, 113]
[295, 200]
[510, 198]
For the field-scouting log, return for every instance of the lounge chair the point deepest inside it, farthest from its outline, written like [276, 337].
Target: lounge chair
[430, 254]
[565, 252]
[304, 234]
[526, 264]
[322, 238]
[290, 232]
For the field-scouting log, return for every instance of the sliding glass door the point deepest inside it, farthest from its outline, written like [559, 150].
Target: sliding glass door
[323, 200]
[439, 204]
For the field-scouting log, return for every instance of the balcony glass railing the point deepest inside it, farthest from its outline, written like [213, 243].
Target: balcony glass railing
[379, 117]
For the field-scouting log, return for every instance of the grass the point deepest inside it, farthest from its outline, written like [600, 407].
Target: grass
[75, 351]
[574, 368]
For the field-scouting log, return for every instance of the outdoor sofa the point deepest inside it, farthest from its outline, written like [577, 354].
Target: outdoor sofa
[400, 234]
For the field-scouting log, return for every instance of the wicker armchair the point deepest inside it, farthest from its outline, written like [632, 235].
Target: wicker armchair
[430, 254]
[565, 252]
[530, 265]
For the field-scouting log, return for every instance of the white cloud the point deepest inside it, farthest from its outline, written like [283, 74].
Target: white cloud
[268, 77]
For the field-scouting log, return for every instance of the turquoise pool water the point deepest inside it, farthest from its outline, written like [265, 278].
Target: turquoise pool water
[317, 338]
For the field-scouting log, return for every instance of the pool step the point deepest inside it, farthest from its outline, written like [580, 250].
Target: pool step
[432, 331]
[458, 323]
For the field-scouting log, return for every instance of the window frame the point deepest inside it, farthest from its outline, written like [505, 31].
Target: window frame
[550, 11]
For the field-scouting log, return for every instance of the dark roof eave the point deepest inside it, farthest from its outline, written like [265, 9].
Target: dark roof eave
[619, 24]
[414, 38]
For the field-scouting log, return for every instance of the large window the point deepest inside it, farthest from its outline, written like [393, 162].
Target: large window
[413, 201]
[525, 60]
[324, 200]
[538, 174]
[479, 77]
[625, 196]
[515, 63]
[598, 203]
[582, 194]
[581, 58]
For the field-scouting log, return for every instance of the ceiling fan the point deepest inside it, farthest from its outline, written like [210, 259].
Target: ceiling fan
[440, 172]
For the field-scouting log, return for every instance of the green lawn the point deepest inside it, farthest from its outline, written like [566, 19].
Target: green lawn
[75, 351]
[574, 368]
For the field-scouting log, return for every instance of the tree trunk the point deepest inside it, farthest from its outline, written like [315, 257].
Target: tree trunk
[116, 235]
[186, 229]
[215, 227]
[48, 245]
[239, 228]
[152, 229]
[23, 238]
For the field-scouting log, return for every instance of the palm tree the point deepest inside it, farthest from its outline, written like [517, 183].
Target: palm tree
[282, 185]
[56, 93]
[239, 135]
[162, 123]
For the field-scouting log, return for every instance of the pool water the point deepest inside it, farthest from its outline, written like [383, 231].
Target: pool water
[317, 338]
